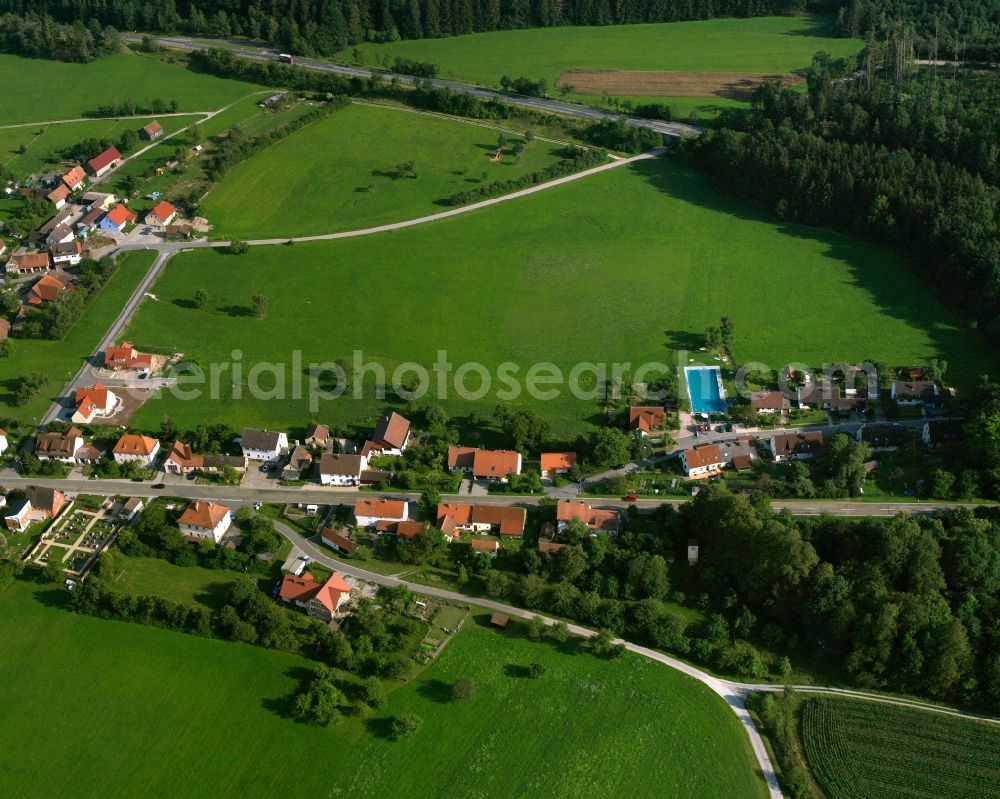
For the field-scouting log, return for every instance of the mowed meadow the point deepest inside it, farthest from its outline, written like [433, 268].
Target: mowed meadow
[147, 712]
[630, 265]
[344, 172]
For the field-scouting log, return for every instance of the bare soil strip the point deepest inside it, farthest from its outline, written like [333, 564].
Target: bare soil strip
[735, 85]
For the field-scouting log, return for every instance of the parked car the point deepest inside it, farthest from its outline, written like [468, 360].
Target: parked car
[631, 498]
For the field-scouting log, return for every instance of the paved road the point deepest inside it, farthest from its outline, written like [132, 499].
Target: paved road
[673, 129]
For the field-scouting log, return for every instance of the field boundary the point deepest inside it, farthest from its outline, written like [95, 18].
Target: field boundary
[666, 83]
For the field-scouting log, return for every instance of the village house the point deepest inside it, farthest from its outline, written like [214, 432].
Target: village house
[341, 470]
[117, 219]
[53, 231]
[882, 437]
[404, 531]
[68, 254]
[102, 164]
[181, 459]
[484, 464]
[46, 289]
[58, 446]
[486, 545]
[125, 356]
[646, 418]
[45, 502]
[796, 446]
[336, 541]
[318, 435]
[88, 454]
[915, 392]
[704, 460]
[87, 223]
[73, 180]
[28, 263]
[263, 445]
[319, 600]
[454, 518]
[58, 196]
[369, 512]
[298, 461]
[18, 517]
[99, 200]
[826, 395]
[131, 509]
[769, 402]
[390, 437]
[942, 431]
[163, 213]
[737, 453]
[205, 520]
[92, 402]
[557, 463]
[178, 230]
[596, 519]
[3, 442]
[133, 448]
[151, 131]
[212, 464]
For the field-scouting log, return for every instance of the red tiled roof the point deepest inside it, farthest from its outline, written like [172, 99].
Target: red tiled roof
[45, 289]
[305, 588]
[28, 260]
[96, 394]
[163, 210]
[702, 455]
[74, 177]
[551, 461]
[461, 457]
[203, 514]
[126, 356]
[594, 518]
[97, 163]
[120, 215]
[383, 508]
[768, 400]
[392, 429]
[485, 545]
[495, 463]
[182, 455]
[341, 541]
[646, 417]
[153, 128]
[60, 192]
[132, 444]
[450, 515]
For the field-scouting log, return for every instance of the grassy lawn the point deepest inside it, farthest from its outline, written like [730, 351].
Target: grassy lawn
[882, 752]
[44, 142]
[628, 266]
[125, 689]
[761, 44]
[188, 584]
[355, 151]
[59, 360]
[35, 89]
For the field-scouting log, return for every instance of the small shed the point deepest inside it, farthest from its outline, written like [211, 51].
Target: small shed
[499, 620]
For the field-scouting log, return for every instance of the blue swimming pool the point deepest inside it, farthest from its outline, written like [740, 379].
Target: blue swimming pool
[705, 389]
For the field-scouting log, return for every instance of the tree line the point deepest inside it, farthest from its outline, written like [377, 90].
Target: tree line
[27, 33]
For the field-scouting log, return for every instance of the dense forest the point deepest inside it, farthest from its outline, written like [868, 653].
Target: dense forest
[913, 165]
[39, 36]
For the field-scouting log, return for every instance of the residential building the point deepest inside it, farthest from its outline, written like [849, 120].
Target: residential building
[263, 445]
[61, 234]
[68, 254]
[737, 453]
[318, 435]
[488, 545]
[3, 442]
[151, 131]
[92, 402]
[341, 470]
[596, 519]
[58, 446]
[704, 460]
[404, 531]
[340, 543]
[46, 289]
[45, 502]
[485, 464]
[915, 392]
[46, 233]
[99, 200]
[87, 223]
[58, 196]
[102, 164]
[182, 460]
[454, 518]
[28, 263]
[646, 418]
[74, 179]
[125, 356]
[390, 437]
[132, 448]
[19, 517]
[796, 446]
[320, 600]
[883, 437]
[368, 512]
[769, 402]
[131, 509]
[941, 431]
[557, 462]
[163, 213]
[88, 454]
[116, 220]
[203, 520]
[177, 230]
[298, 461]
[217, 463]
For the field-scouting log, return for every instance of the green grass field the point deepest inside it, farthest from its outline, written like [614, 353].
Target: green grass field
[628, 266]
[146, 712]
[858, 748]
[187, 584]
[35, 89]
[759, 44]
[339, 173]
[59, 360]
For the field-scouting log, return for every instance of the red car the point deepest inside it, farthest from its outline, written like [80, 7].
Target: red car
[631, 498]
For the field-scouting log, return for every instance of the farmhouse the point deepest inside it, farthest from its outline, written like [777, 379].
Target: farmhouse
[125, 356]
[337, 541]
[796, 446]
[454, 518]
[104, 163]
[28, 263]
[597, 520]
[73, 180]
[769, 402]
[132, 448]
[263, 445]
[369, 512]
[557, 462]
[117, 218]
[58, 196]
[704, 460]
[67, 254]
[204, 520]
[916, 392]
[341, 470]
[97, 400]
[163, 213]
[58, 446]
[320, 600]
[942, 431]
[646, 418]
[88, 222]
[484, 463]
[47, 289]
[53, 231]
[151, 131]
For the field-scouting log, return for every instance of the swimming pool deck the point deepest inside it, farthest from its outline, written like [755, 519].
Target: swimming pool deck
[700, 403]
